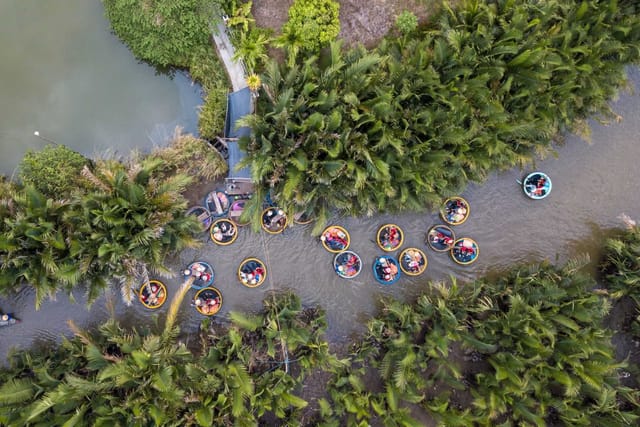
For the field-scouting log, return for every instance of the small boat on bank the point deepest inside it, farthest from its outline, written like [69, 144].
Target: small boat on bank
[440, 238]
[235, 211]
[389, 237]
[455, 210]
[303, 218]
[153, 294]
[537, 185]
[386, 270]
[335, 239]
[413, 261]
[465, 251]
[273, 220]
[202, 214]
[347, 264]
[7, 319]
[252, 272]
[223, 232]
[208, 301]
[217, 202]
[202, 272]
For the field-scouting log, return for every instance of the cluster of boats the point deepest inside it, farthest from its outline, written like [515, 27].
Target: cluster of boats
[221, 213]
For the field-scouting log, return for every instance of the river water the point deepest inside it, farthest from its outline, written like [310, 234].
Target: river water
[593, 183]
[66, 76]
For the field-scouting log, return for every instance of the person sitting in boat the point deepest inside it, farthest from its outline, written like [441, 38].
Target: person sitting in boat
[352, 261]
[258, 273]
[413, 259]
[208, 305]
[334, 238]
[223, 232]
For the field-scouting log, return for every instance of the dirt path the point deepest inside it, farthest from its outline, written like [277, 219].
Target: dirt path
[361, 21]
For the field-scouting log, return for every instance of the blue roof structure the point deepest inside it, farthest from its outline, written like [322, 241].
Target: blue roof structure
[239, 104]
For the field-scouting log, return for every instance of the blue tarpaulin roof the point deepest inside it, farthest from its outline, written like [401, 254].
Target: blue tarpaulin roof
[239, 104]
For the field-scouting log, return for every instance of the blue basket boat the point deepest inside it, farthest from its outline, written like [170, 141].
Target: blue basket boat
[202, 273]
[386, 270]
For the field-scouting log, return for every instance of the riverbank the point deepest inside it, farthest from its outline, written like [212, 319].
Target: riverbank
[593, 184]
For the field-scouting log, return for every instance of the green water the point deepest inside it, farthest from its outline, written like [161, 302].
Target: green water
[66, 76]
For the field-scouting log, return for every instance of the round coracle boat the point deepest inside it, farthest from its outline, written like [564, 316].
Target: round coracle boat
[537, 185]
[389, 237]
[153, 294]
[386, 270]
[413, 261]
[217, 202]
[335, 239]
[235, 211]
[274, 220]
[252, 272]
[7, 319]
[208, 301]
[455, 210]
[303, 218]
[440, 238]
[465, 251]
[347, 264]
[202, 274]
[223, 232]
[202, 214]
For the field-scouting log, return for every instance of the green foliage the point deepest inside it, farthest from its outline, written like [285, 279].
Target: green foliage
[193, 157]
[407, 22]
[621, 264]
[53, 171]
[132, 377]
[121, 227]
[207, 69]
[314, 22]
[487, 87]
[162, 32]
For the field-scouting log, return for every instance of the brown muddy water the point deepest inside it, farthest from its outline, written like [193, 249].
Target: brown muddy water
[593, 183]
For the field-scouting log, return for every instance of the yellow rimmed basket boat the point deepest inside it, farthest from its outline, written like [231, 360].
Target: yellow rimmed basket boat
[440, 238]
[389, 237]
[153, 294]
[335, 239]
[455, 210]
[273, 220]
[413, 261]
[208, 301]
[235, 211]
[252, 272]
[223, 232]
[465, 251]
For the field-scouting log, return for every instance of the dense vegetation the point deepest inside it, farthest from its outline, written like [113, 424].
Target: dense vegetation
[527, 348]
[486, 86]
[176, 34]
[120, 222]
[54, 170]
[312, 24]
[114, 377]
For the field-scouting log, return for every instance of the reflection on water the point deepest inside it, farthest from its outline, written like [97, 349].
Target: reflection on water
[65, 75]
[592, 184]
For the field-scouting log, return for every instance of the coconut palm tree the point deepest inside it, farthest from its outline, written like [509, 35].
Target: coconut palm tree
[35, 245]
[128, 223]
